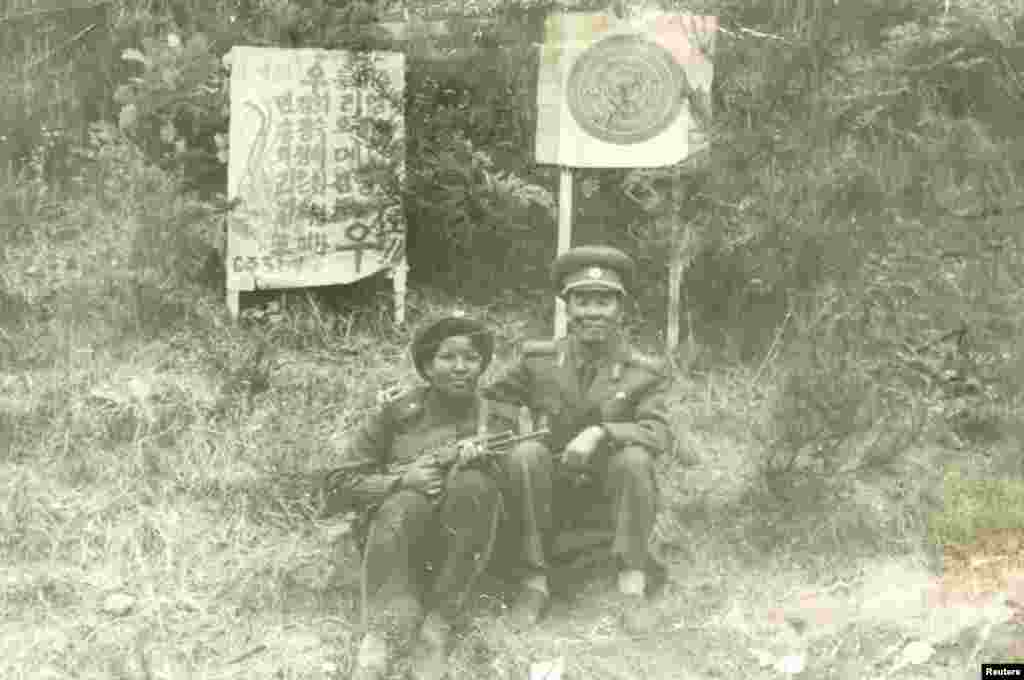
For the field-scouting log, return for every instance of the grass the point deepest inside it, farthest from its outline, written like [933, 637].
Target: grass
[173, 470]
[976, 503]
[173, 467]
[176, 471]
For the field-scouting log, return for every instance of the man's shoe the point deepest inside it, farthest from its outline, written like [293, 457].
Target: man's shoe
[637, 614]
[372, 658]
[657, 577]
[529, 608]
[430, 656]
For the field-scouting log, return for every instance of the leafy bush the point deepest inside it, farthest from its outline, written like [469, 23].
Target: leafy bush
[468, 190]
[974, 502]
[176, 108]
[857, 203]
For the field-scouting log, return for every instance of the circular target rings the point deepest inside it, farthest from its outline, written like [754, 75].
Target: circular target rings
[625, 90]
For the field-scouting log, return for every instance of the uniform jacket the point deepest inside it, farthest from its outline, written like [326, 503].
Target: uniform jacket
[401, 431]
[627, 395]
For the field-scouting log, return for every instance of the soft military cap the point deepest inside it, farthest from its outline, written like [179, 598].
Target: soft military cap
[429, 338]
[593, 268]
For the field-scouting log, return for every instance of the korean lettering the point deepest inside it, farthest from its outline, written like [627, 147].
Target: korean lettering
[310, 127]
[318, 101]
[343, 182]
[302, 183]
[357, 231]
[310, 153]
[279, 242]
[285, 103]
[283, 139]
[284, 180]
[344, 154]
[316, 77]
[309, 182]
[376, 105]
[314, 241]
[343, 78]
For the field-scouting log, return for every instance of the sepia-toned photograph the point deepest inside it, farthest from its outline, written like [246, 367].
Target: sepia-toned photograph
[511, 339]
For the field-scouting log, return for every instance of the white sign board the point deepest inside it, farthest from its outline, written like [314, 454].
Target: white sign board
[302, 122]
[615, 93]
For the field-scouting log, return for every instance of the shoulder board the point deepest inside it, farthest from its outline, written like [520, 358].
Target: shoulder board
[648, 363]
[532, 348]
[387, 395]
[502, 410]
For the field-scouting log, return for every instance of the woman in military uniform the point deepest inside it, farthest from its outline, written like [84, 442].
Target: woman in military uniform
[431, 530]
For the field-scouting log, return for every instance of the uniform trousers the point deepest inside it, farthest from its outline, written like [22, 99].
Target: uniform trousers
[619, 494]
[425, 555]
[420, 554]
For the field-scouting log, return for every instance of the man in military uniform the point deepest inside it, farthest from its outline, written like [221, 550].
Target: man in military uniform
[430, 531]
[604, 403]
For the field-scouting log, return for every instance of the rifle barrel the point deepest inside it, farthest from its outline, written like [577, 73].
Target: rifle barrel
[510, 439]
[501, 440]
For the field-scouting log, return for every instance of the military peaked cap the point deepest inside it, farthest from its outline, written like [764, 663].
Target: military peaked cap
[593, 267]
[430, 336]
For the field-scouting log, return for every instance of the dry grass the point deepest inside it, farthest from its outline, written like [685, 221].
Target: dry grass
[174, 470]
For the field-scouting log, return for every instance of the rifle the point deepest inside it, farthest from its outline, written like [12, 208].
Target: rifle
[449, 453]
[445, 455]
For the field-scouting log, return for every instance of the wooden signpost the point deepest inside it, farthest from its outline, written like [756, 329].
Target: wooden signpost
[613, 92]
[303, 123]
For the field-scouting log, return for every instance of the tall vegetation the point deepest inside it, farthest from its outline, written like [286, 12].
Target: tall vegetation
[853, 222]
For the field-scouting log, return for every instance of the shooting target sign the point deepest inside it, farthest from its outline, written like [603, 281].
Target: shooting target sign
[625, 89]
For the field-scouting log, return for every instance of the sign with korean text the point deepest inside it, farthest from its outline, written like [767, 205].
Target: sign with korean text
[306, 126]
[631, 92]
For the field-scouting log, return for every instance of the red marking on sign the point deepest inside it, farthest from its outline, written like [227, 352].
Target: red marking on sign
[673, 31]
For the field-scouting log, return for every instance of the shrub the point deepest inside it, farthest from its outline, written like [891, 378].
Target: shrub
[973, 502]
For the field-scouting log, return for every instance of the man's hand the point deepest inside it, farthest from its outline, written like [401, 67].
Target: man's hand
[424, 475]
[578, 452]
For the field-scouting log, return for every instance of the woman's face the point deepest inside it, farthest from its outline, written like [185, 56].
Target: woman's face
[456, 367]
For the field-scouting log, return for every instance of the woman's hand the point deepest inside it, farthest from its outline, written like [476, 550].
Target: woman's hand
[470, 450]
[424, 475]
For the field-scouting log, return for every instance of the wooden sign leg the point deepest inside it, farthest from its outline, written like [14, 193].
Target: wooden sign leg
[675, 284]
[684, 243]
[564, 238]
[398, 281]
[233, 297]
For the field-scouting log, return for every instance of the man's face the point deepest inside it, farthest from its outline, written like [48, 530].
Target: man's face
[593, 315]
